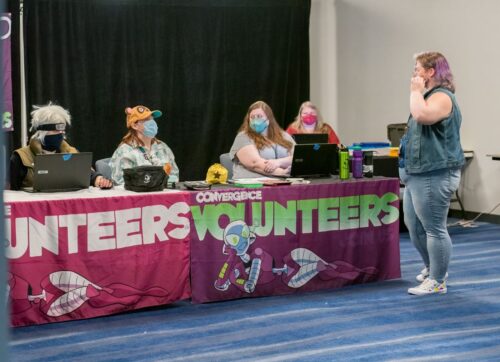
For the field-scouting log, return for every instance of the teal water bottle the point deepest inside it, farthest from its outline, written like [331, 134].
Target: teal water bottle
[344, 163]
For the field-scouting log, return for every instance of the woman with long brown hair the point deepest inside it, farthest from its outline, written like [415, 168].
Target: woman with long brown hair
[262, 147]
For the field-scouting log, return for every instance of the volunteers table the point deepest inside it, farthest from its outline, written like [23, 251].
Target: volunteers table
[93, 252]
[282, 239]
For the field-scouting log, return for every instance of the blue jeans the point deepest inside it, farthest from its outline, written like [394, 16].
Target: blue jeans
[426, 202]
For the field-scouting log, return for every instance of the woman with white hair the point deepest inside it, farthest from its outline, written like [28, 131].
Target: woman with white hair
[49, 123]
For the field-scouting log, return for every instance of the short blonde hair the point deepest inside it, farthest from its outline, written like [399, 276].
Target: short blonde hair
[320, 127]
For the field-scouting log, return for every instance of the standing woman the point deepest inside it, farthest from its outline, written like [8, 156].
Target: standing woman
[309, 120]
[261, 147]
[430, 161]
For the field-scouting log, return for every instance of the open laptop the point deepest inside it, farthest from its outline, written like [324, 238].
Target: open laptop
[57, 172]
[315, 160]
[302, 138]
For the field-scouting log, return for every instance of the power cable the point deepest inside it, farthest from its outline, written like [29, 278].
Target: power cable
[470, 223]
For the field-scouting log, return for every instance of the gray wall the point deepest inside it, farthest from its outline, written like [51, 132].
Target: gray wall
[374, 42]
[323, 59]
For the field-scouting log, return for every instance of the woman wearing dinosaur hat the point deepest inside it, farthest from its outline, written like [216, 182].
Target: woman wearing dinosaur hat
[140, 146]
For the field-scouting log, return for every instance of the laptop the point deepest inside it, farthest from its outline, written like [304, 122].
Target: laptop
[315, 160]
[57, 172]
[302, 138]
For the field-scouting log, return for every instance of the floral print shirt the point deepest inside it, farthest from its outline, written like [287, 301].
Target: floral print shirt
[128, 156]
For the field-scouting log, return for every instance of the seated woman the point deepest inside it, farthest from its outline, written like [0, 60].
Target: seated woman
[140, 147]
[49, 124]
[309, 120]
[262, 147]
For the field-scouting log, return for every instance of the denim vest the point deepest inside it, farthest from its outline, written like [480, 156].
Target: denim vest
[434, 147]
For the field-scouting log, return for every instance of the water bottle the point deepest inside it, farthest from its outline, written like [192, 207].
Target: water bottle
[344, 163]
[368, 163]
[357, 163]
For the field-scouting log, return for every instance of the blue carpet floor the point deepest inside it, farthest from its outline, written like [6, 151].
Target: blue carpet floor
[370, 322]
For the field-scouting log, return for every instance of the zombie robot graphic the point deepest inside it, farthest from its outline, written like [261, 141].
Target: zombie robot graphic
[246, 266]
[241, 269]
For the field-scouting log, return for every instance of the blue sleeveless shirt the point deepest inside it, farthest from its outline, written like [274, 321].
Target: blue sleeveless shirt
[427, 148]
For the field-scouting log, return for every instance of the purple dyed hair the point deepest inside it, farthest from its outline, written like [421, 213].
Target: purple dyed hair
[442, 72]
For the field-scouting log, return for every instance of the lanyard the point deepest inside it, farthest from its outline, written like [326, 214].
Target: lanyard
[275, 148]
[147, 155]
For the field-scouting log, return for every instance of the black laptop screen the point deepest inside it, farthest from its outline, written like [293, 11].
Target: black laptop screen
[304, 138]
[314, 160]
[62, 171]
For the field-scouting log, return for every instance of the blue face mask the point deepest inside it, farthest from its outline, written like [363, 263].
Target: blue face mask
[52, 142]
[259, 125]
[150, 128]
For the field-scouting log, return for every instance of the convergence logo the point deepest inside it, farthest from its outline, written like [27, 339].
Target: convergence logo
[217, 196]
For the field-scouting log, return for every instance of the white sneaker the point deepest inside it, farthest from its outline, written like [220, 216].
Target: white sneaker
[424, 274]
[429, 286]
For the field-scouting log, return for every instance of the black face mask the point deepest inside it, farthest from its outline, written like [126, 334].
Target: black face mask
[53, 142]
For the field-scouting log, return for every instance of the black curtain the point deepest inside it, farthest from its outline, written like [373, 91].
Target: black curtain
[201, 62]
